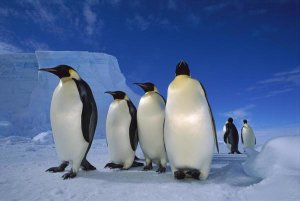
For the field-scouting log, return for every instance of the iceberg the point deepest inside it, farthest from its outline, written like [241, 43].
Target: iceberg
[26, 93]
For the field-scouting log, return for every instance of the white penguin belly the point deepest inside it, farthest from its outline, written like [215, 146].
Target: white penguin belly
[150, 116]
[117, 133]
[228, 145]
[189, 134]
[66, 109]
[248, 137]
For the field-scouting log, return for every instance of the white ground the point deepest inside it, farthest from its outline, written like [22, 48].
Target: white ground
[275, 176]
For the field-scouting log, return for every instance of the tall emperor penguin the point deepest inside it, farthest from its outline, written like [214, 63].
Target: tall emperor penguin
[189, 129]
[73, 117]
[150, 119]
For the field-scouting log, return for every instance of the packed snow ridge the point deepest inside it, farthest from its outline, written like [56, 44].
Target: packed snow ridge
[26, 94]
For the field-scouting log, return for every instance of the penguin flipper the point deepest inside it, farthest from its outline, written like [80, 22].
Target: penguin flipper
[133, 132]
[89, 114]
[242, 135]
[162, 97]
[212, 118]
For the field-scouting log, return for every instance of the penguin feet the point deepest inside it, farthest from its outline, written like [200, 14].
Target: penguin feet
[179, 175]
[60, 168]
[86, 166]
[113, 166]
[137, 164]
[194, 174]
[161, 169]
[69, 175]
[148, 167]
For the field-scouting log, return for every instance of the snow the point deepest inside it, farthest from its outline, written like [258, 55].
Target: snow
[278, 156]
[26, 93]
[271, 174]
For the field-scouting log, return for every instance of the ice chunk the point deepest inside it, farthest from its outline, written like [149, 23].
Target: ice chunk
[278, 156]
[26, 94]
[43, 138]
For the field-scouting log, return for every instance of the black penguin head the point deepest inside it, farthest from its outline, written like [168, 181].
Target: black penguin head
[147, 86]
[230, 120]
[182, 68]
[63, 71]
[245, 121]
[117, 95]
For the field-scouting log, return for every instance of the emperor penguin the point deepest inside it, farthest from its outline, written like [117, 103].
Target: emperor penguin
[150, 119]
[228, 145]
[231, 136]
[189, 130]
[73, 116]
[247, 135]
[121, 132]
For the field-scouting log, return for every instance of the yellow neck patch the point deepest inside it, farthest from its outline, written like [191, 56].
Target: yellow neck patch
[74, 74]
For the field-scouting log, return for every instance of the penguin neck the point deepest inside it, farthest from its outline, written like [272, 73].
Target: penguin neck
[151, 92]
[182, 77]
[66, 79]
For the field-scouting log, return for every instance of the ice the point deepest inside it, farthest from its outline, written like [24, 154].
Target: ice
[43, 138]
[26, 93]
[278, 156]
[23, 176]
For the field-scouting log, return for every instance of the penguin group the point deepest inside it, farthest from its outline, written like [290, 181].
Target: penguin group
[180, 130]
[231, 136]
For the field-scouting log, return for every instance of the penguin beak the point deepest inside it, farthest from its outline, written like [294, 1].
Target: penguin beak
[50, 70]
[110, 92]
[142, 85]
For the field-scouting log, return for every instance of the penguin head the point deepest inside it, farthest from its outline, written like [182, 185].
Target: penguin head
[230, 120]
[118, 95]
[182, 68]
[63, 72]
[147, 86]
[245, 121]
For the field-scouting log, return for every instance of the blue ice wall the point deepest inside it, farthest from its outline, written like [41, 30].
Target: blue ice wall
[25, 93]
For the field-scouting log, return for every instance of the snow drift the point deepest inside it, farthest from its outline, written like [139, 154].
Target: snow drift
[278, 156]
[26, 93]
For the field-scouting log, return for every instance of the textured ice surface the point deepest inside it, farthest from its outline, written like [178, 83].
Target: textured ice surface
[26, 93]
[23, 177]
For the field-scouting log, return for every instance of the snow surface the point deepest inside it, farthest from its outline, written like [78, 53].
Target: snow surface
[272, 174]
[26, 93]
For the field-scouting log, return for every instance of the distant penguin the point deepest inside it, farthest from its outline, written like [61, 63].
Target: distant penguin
[150, 118]
[189, 130]
[73, 117]
[231, 136]
[121, 132]
[228, 145]
[247, 135]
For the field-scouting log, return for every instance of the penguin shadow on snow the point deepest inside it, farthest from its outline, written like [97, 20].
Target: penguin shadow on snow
[232, 175]
[133, 175]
